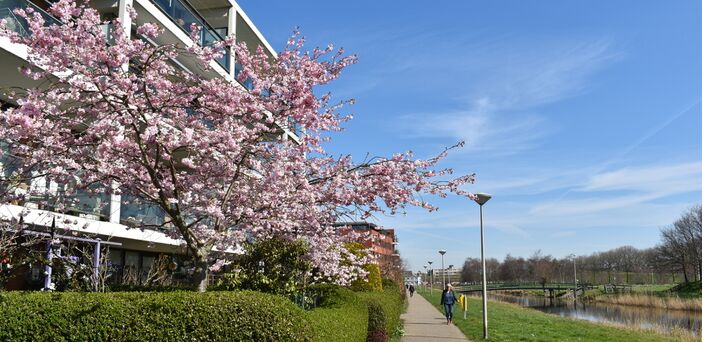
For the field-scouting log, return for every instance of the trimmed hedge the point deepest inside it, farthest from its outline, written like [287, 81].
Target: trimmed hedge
[341, 317]
[345, 315]
[151, 316]
[392, 304]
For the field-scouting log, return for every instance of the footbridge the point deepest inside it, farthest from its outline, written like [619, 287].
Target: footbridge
[550, 288]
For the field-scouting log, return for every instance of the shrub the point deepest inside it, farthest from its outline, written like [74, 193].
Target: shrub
[372, 282]
[376, 328]
[150, 316]
[341, 317]
[273, 265]
[345, 315]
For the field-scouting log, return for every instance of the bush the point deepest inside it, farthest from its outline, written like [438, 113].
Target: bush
[372, 282]
[150, 316]
[391, 303]
[345, 315]
[341, 317]
[376, 329]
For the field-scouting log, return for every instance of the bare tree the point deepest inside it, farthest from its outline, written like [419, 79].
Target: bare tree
[17, 249]
[680, 247]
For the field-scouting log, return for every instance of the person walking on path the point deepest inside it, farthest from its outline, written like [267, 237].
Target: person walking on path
[448, 300]
[423, 322]
[411, 289]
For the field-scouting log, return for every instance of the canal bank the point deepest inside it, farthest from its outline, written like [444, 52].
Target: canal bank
[511, 322]
[641, 317]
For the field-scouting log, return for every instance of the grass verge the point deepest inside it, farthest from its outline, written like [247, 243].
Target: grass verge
[510, 322]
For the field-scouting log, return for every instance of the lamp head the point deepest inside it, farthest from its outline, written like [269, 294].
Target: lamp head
[430, 262]
[482, 198]
[442, 252]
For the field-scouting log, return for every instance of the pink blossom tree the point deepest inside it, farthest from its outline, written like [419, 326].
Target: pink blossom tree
[116, 116]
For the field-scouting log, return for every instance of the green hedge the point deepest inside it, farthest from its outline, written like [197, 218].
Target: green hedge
[344, 314]
[342, 317]
[151, 316]
[392, 303]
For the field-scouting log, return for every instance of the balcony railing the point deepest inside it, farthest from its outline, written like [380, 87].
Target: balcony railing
[17, 23]
[184, 16]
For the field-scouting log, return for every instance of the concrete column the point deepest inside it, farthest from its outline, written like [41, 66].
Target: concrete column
[231, 30]
[124, 16]
[96, 266]
[115, 203]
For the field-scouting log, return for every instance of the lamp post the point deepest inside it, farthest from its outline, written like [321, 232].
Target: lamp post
[442, 265]
[482, 198]
[426, 275]
[574, 264]
[432, 276]
[449, 269]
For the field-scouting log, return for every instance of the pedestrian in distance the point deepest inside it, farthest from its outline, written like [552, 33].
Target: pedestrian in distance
[411, 289]
[448, 300]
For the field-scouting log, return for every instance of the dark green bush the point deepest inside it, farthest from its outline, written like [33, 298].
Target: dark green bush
[376, 328]
[150, 316]
[392, 305]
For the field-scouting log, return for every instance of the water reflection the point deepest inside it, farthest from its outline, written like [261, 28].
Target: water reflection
[648, 318]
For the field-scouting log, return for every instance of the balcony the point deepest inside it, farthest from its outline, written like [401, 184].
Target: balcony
[17, 23]
[181, 13]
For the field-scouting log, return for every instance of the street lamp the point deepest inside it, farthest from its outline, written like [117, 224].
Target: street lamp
[482, 198]
[442, 265]
[432, 276]
[574, 263]
[449, 268]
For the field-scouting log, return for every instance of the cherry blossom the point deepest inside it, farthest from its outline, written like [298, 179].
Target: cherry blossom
[206, 151]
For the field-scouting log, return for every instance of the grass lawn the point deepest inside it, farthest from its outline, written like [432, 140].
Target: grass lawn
[509, 322]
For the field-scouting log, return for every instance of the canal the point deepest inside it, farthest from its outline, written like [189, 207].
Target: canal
[643, 317]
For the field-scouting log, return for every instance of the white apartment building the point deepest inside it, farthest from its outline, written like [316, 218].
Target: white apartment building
[108, 218]
[451, 274]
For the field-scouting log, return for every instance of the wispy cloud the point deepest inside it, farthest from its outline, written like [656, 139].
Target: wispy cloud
[564, 233]
[627, 187]
[501, 104]
[656, 178]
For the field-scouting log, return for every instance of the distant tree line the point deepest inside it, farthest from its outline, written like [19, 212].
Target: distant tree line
[677, 258]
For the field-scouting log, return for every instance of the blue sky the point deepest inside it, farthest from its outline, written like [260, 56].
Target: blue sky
[583, 119]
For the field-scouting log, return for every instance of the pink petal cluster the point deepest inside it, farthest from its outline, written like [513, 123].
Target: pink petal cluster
[204, 150]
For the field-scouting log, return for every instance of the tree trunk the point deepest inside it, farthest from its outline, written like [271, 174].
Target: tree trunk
[200, 276]
[684, 272]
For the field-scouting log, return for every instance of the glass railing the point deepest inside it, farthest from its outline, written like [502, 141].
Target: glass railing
[17, 23]
[184, 16]
[247, 83]
[135, 212]
[292, 125]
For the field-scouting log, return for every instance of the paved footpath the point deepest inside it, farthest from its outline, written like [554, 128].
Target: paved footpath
[424, 323]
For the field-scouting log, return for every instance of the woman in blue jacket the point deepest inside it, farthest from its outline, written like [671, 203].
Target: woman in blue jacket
[447, 300]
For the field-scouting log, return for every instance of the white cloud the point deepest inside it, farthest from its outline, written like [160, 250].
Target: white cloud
[655, 178]
[627, 187]
[498, 117]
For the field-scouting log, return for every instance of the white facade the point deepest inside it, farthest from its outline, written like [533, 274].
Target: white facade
[110, 220]
[412, 280]
[452, 275]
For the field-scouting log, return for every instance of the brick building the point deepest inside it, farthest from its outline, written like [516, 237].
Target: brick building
[382, 243]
